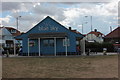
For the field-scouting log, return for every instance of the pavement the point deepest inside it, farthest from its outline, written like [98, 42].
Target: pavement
[101, 53]
[91, 54]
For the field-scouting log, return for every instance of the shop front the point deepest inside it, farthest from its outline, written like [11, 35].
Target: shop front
[49, 38]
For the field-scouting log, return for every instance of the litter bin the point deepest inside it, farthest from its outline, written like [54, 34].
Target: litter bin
[104, 51]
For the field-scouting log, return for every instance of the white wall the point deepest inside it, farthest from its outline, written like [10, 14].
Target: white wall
[93, 37]
[5, 35]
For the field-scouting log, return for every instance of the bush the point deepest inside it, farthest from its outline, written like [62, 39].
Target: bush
[98, 47]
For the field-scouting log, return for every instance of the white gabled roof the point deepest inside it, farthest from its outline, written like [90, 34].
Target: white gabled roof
[4, 32]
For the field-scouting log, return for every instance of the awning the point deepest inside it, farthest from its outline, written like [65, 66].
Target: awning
[49, 35]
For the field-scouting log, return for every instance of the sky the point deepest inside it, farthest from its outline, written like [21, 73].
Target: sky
[69, 14]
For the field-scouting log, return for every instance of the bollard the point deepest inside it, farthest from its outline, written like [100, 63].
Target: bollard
[104, 51]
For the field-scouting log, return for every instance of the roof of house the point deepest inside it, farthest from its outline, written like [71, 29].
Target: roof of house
[49, 22]
[11, 28]
[4, 32]
[76, 31]
[95, 33]
[114, 34]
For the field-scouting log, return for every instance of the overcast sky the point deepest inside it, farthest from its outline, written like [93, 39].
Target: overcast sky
[69, 14]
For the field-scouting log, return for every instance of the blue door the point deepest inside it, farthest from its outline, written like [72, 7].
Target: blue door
[47, 46]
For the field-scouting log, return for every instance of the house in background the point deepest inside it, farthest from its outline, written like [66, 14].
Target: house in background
[13, 31]
[49, 38]
[6, 38]
[113, 37]
[94, 36]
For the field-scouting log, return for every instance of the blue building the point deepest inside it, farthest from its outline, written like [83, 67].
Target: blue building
[49, 38]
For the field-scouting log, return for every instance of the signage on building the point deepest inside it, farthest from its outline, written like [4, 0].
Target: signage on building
[66, 42]
[48, 28]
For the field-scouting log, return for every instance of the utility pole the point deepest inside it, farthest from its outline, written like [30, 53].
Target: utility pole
[110, 28]
[82, 28]
[17, 21]
[91, 22]
[17, 18]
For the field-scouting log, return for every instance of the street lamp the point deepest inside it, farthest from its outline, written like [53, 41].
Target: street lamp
[83, 25]
[91, 24]
[83, 41]
[17, 18]
[90, 21]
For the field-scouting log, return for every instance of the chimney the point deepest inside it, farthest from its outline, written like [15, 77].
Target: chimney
[70, 28]
[95, 30]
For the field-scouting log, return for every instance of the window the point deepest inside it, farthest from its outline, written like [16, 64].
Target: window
[13, 31]
[66, 42]
[48, 42]
[51, 42]
[77, 42]
[45, 42]
[32, 43]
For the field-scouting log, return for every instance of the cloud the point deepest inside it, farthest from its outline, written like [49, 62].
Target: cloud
[51, 10]
[68, 14]
[5, 19]
[99, 11]
[8, 6]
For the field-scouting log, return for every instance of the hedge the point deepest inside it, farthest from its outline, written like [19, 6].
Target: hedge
[98, 47]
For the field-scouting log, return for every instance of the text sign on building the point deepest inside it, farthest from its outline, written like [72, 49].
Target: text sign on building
[48, 28]
[66, 42]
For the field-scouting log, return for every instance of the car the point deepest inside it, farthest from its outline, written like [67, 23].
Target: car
[118, 50]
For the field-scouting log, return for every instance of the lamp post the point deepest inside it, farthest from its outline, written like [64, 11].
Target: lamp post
[90, 21]
[82, 28]
[91, 24]
[83, 41]
[17, 18]
[83, 25]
